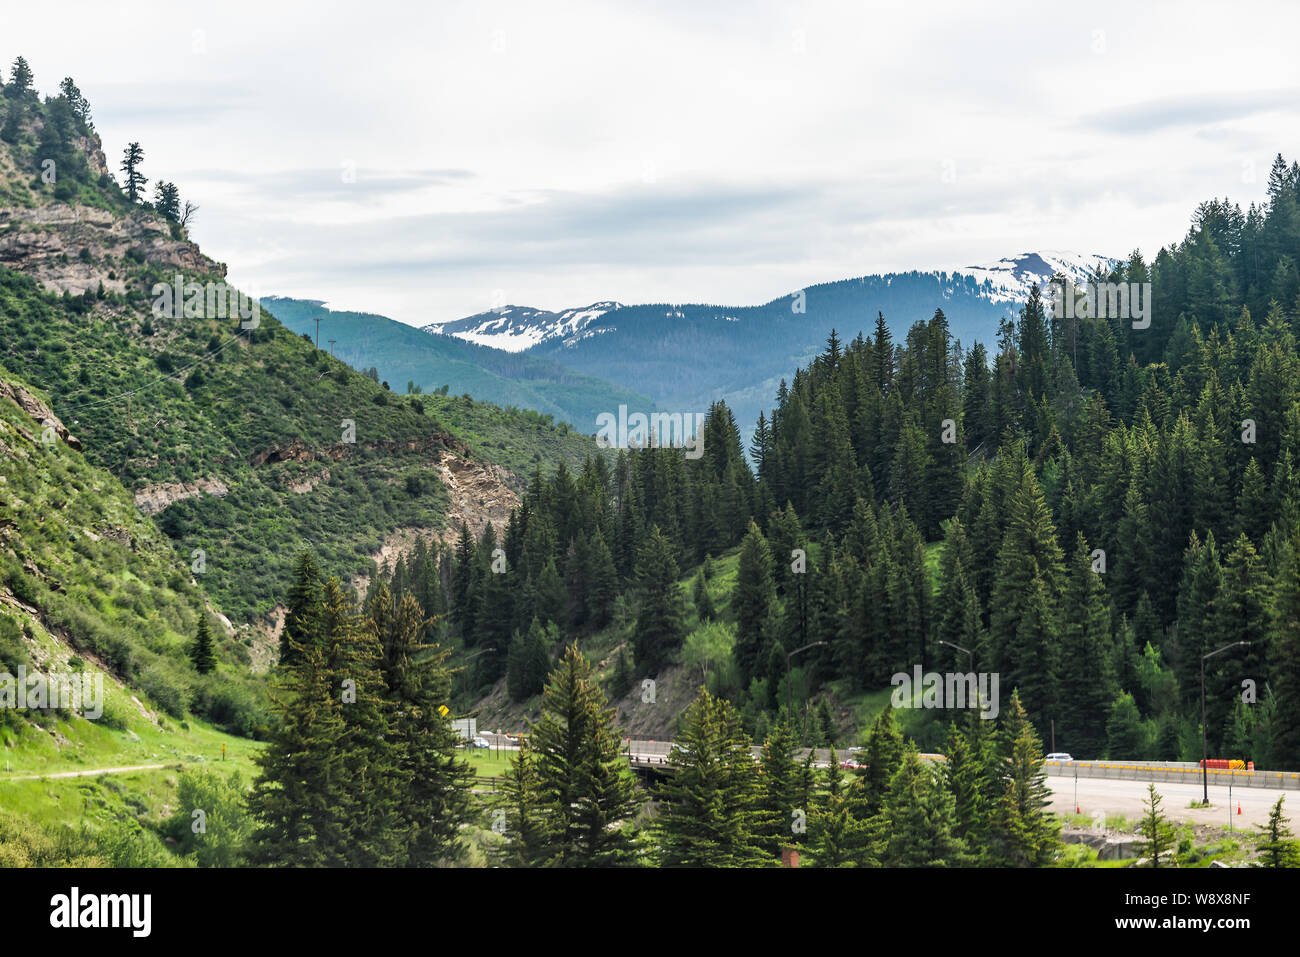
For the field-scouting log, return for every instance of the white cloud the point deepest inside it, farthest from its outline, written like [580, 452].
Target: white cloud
[414, 158]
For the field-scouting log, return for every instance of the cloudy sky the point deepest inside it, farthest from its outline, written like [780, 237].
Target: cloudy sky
[428, 160]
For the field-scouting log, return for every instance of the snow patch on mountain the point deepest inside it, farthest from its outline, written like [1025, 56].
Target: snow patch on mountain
[1009, 279]
[517, 328]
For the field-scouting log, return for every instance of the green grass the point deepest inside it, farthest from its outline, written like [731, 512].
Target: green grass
[489, 763]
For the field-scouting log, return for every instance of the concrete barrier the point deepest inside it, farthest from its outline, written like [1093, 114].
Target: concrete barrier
[1172, 773]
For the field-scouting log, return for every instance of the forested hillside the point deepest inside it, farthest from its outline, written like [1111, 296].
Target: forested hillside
[1087, 506]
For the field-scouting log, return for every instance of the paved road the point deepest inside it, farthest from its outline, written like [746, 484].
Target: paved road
[1124, 798]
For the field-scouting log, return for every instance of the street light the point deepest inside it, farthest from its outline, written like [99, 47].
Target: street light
[1205, 774]
[970, 660]
[970, 655]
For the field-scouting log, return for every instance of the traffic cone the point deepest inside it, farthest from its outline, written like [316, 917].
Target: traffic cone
[1238, 807]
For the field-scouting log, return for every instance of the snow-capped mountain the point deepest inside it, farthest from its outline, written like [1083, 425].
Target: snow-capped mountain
[516, 328]
[1009, 279]
[1002, 283]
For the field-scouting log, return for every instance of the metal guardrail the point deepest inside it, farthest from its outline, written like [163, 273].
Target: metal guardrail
[1167, 772]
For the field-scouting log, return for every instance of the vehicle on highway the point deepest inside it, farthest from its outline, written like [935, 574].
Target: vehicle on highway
[481, 743]
[1058, 756]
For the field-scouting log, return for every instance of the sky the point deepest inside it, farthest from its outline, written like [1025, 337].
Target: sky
[432, 160]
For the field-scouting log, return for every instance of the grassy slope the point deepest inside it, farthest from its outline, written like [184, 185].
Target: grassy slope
[89, 585]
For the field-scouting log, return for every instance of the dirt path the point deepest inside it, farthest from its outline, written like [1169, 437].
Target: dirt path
[84, 774]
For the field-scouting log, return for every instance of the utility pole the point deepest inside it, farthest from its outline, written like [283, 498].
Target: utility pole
[318, 322]
[1205, 757]
[332, 341]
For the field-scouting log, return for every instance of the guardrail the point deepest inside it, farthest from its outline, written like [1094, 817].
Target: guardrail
[1173, 773]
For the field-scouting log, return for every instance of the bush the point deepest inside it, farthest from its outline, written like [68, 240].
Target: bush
[234, 707]
[224, 826]
[170, 691]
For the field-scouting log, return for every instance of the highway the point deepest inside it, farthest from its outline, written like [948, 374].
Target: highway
[1112, 796]
[1124, 798]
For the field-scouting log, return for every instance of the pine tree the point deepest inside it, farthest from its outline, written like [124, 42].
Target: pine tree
[709, 814]
[919, 820]
[302, 619]
[1024, 623]
[704, 609]
[836, 838]
[584, 782]
[372, 755]
[659, 625]
[825, 724]
[974, 774]
[1123, 730]
[1156, 832]
[602, 581]
[302, 799]
[19, 86]
[879, 760]
[202, 655]
[167, 200]
[1285, 621]
[778, 804]
[132, 156]
[1087, 681]
[435, 796]
[524, 818]
[1023, 833]
[753, 599]
[1277, 848]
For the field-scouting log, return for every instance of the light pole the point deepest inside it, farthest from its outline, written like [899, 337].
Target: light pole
[1205, 774]
[970, 661]
[970, 655]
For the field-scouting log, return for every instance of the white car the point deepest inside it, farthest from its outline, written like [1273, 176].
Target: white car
[482, 743]
[1059, 756]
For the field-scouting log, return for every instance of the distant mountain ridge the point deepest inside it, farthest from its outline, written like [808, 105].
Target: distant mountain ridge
[514, 328]
[687, 355]
[506, 377]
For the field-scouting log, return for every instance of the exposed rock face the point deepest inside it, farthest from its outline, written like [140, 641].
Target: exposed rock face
[152, 499]
[39, 411]
[296, 450]
[479, 493]
[47, 242]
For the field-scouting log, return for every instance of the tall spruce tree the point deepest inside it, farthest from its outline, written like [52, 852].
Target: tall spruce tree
[659, 626]
[202, 655]
[584, 782]
[709, 814]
